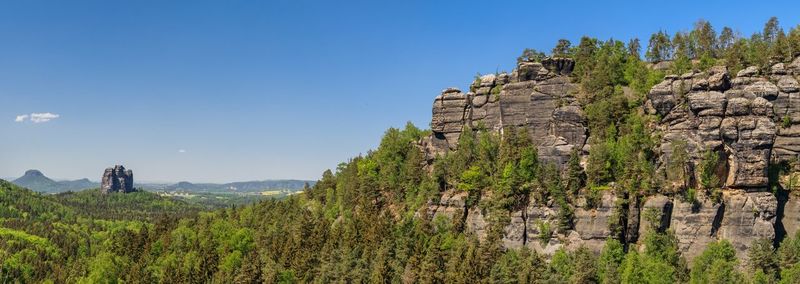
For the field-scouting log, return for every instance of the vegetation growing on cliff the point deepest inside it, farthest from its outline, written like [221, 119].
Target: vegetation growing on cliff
[367, 220]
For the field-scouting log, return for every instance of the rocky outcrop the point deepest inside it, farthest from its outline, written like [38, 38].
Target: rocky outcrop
[117, 179]
[712, 113]
[752, 120]
[536, 96]
[744, 119]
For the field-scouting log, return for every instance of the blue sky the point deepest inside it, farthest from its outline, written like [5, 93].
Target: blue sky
[214, 91]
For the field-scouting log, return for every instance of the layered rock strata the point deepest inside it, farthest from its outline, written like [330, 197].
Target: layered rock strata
[750, 119]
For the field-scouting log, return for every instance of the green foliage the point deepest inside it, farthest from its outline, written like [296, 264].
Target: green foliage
[677, 166]
[659, 47]
[658, 263]
[584, 55]
[531, 55]
[788, 254]
[690, 195]
[576, 178]
[709, 179]
[472, 179]
[762, 258]
[702, 44]
[717, 264]
[138, 205]
[496, 90]
[706, 39]
[562, 48]
[607, 72]
[594, 196]
[609, 262]
[545, 232]
[634, 47]
[367, 221]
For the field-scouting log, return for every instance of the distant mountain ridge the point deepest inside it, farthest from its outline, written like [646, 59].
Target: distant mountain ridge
[245, 186]
[35, 180]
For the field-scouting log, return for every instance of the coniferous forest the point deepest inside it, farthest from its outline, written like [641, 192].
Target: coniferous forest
[368, 220]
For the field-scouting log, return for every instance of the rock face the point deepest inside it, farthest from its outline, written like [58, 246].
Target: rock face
[712, 113]
[117, 179]
[749, 216]
[748, 120]
[536, 96]
[751, 120]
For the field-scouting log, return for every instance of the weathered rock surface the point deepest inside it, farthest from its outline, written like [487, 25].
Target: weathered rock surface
[747, 217]
[711, 113]
[752, 120]
[695, 225]
[117, 179]
[536, 96]
[791, 215]
[661, 208]
[592, 225]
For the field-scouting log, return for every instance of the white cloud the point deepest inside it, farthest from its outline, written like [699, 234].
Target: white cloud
[21, 118]
[43, 117]
[181, 151]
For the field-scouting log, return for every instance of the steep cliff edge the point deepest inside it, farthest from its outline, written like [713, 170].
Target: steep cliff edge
[537, 96]
[751, 120]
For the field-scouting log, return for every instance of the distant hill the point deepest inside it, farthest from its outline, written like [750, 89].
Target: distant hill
[246, 186]
[35, 180]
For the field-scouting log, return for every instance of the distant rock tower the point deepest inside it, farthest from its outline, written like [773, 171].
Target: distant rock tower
[117, 179]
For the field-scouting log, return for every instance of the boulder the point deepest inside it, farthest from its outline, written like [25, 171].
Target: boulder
[559, 65]
[748, 72]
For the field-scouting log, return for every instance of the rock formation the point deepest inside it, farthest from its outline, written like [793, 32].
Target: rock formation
[537, 96]
[117, 179]
[752, 120]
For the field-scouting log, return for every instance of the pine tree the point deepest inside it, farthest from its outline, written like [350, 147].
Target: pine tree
[771, 30]
[659, 48]
[725, 41]
[562, 48]
[634, 48]
[706, 38]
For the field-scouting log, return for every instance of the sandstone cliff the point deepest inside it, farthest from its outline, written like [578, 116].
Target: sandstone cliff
[751, 119]
[117, 179]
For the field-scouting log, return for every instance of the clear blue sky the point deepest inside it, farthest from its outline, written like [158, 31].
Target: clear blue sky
[242, 90]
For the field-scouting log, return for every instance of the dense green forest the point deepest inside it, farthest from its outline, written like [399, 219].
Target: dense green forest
[367, 220]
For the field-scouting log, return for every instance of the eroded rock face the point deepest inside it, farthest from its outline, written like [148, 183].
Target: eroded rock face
[536, 96]
[791, 215]
[748, 216]
[660, 207]
[751, 120]
[713, 113]
[741, 119]
[695, 225]
[117, 179]
[592, 225]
